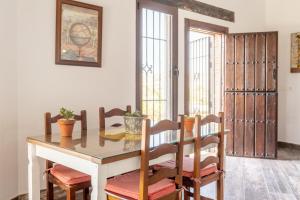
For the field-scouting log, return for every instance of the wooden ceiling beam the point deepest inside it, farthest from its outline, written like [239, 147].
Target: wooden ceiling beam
[201, 8]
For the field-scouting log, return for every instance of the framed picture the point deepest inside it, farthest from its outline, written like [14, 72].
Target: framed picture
[78, 34]
[295, 52]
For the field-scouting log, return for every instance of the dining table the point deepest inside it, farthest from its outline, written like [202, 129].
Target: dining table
[100, 154]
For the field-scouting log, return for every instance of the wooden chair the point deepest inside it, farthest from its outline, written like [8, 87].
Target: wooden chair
[210, 169]
[112, 113]
[53, 172]
[149, 183]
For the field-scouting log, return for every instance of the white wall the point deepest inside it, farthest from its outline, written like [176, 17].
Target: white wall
[284, 17]
[8, 101]
[44, 86]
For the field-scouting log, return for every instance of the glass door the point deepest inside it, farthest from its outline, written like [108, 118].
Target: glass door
[204, 68]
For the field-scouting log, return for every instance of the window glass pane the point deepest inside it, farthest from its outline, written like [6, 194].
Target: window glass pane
[156, 66]
[199, 74]
[205, 74]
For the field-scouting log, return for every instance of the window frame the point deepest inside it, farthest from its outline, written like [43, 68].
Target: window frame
[174, 68]
[188, 24]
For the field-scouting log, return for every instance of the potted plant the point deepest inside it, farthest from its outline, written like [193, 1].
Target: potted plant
[189, 123]
[133, 122]
[66, 123]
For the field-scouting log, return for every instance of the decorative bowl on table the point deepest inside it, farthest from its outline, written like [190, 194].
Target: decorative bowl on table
[133, 122]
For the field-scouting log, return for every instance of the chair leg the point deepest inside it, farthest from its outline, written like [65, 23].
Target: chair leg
[196, 191]
[50, 192]
[86, 194]
[220, 188]
[179, 196]
[186, 195]
[71, 195]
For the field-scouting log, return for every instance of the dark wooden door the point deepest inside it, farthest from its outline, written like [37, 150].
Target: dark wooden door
[271, 124]
[249, 139]
[251, 94]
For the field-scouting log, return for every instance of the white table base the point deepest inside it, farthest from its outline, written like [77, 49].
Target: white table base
[98, 172]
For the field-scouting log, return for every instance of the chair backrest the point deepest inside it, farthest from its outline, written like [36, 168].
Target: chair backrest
[112, 113]
[49, 120]
[202, 142]
[148, 154]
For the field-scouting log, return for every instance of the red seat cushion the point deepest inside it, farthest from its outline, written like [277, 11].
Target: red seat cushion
[188, 167]
[69, 176]
[127, 186]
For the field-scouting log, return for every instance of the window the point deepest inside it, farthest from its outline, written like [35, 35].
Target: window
[157, 60]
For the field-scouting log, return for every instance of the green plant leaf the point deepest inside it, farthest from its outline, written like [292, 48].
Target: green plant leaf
[135, 114]
[66, 114]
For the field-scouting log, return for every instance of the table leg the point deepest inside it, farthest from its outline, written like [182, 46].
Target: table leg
[99, 178]
[33, 174]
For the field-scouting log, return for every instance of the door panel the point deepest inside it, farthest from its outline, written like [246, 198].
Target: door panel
[230, 59]
[271, 146]
[259, 139]
[260, 65]
[239, 63]
[239, 124]
[272, 106]
[260, 125]
[255, 75]
[229, 119]
[271, 132]
[249, 125]
[229, 107]
[249, 62]
[271, 61]
[229, 146]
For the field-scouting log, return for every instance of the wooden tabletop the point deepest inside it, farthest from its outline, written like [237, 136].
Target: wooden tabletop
[104, 146]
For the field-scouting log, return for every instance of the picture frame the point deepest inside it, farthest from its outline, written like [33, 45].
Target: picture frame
[78, 34]
[295, 52]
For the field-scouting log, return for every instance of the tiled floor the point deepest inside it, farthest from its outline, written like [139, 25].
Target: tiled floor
[255, 179]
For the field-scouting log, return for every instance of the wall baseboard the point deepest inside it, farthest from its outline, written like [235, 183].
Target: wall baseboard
[288, 145]
[22, 197]
[57, 193]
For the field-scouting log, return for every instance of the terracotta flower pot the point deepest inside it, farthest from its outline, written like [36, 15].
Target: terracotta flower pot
[66, 127]
[189, 124]
[66, 142]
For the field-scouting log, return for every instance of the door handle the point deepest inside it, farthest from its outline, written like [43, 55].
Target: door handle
[176, 71]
